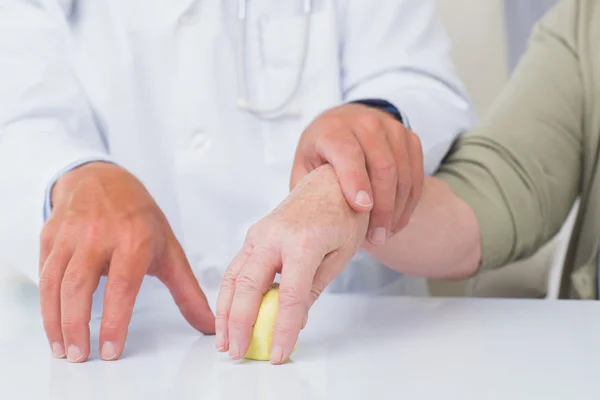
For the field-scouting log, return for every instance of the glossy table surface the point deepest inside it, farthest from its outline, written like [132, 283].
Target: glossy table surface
[353, 348]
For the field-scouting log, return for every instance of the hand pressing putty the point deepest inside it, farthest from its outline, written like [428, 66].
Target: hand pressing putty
[262, 332]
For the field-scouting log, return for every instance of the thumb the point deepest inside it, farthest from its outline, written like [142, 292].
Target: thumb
[178, 277]
[355, 185]
[350, 168]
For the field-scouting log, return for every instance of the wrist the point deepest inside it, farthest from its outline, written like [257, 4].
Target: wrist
[68, 181]
[386, 107]
[322, 185]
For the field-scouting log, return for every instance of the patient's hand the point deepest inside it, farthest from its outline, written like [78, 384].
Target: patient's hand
[309, 239]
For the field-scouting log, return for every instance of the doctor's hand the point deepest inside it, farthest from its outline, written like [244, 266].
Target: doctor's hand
[104, 222]
[378, 161]
[308, 239]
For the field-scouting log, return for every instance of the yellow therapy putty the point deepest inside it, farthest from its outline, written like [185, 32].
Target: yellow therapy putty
[262, 332]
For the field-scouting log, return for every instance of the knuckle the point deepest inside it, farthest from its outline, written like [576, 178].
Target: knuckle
[47, 239]
[342, 144]
[316, 291]
[228, 280]
[72, 283]
[71, 327]
[49, 281]
[239, 322]
[95, 230]
[370, 122]
[221, 315]
[254, 231]
[330, 139]
[352, 151]
[284, 330]
[246, 284]
[132, 242]
[384, 170]
[290, 297]
[334, 122]
[264, 234]
[307, 241]
[121, 287]
[404, 184]
[268, 251]
[415, 141]
[303, 243]
[138, 234]
[72, 222]
[116, 319]
[304, 236]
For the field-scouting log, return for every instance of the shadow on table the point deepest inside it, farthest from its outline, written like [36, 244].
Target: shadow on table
[205, 373]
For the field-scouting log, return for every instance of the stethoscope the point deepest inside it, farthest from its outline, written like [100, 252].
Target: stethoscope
[284, 108]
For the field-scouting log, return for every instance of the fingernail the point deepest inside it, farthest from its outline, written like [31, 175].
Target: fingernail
[221, 342]
[108, 351]
[58, 350]
[234, 349]
[276, 355]
[74, 354]
[363, 199]
[379, 236]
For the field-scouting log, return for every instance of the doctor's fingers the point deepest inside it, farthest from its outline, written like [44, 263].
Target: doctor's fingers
[51, 276]
[341, 149]
[47, 239]
[177, 275]
[125, 275]
[254, 279]
[383, 173]
[79, 282]
[296, 293]
[400, 170]
[407, 200]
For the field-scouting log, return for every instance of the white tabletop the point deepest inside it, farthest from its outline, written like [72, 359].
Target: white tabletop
[352, 348]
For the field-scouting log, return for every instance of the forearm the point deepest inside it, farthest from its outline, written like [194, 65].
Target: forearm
[442, 239]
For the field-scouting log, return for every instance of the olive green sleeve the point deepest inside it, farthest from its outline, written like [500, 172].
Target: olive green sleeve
[519, 171]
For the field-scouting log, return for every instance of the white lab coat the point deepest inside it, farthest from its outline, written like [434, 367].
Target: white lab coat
[151, 85]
